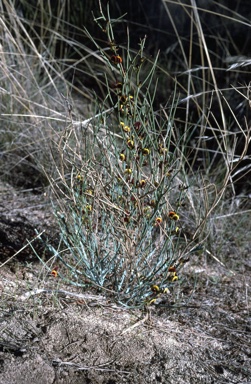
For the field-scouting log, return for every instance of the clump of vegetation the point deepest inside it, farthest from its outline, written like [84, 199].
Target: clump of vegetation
[126, 198]
[140, 152]
[135, 182]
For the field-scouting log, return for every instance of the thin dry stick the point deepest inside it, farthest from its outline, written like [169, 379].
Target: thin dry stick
[140, 322]
[20, 250]
[84, 368]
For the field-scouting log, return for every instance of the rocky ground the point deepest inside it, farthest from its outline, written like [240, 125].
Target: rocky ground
[52, 333]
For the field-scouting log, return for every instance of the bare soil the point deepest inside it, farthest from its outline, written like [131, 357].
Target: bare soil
[53, 333]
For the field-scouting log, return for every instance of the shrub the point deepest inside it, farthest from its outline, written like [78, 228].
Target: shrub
[136, 182]
[122, 217]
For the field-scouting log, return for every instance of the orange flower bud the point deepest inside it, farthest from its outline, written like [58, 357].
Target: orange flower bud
[116, 59]
[158, 220]
[54, 273]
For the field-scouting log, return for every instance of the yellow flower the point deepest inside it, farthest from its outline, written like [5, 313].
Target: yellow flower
[155, 288]
[87, 208]
[147, 211]
[130, 143]
[172, 274]
[141, 183]
[122, 157]
[128, 170]
[162, 149]
[152, 301]
[79, 177]
[124, 111]
[145, 151]
[125, 127]
[173, 215]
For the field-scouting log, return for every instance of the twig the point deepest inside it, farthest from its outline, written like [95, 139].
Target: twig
[27, 295]
[82, 368]
[20, 250]
[142, 321]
